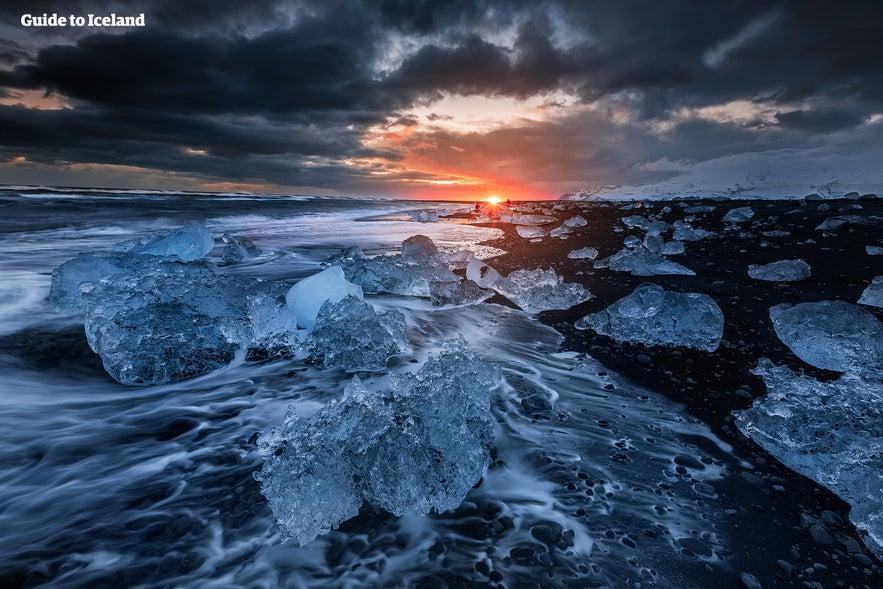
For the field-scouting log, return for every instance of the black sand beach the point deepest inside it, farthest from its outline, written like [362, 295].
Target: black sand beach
[810, 542]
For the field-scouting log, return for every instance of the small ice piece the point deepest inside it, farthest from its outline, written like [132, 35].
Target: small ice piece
[781, 271]
[638, 221]
[738, 215]
[874, 250]
[654, 316]
[427, 216]
[418, 447]
[832, 223]
[530, 231]
[589, 253]
[578, 221]
[464, 292]
[695, 209]
[186, 243]
[349, 334]
[673, 248]
[418, 248]
[540, 290]
[560, 232]
[654, 243]
[873, 295]
[519, 219]
[460, 259]
[237, 250]
[683, 231]
[834, 335]
[831, 432]
[632, 241]
[482, 274]
[306, 297]
[776, 233]
[641, 262]
[658, 228]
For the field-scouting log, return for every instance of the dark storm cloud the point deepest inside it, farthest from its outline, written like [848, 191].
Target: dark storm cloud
[263, 86]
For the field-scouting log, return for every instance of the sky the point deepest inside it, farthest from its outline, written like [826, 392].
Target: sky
[451, 100]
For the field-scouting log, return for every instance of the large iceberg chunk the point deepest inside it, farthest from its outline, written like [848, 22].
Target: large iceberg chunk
[641, 262]
[781, 271]
[655, 316]
[351, 335]
[419, 446]
[408, 273]
[541, 290]
[190, 242]
[834, 335]
[307, 296]
[186, 243]
[831, 432]
[178, 322]
[873, 295]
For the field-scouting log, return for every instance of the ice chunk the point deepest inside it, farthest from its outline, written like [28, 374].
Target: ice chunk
[237, 250]
[428, 216]
[641, 262]
[775, 233]
[658, 228]
[351, 335]
[738, 215]
[578, 221]
[694, 209]
[187, 243]
[530, 231]
[632, 241]
[683, 231]
[306, 297]
[638, 221]
[418, 447]
[873, 295]
[482, 274]
[463, 292]
[654, 316]
[177, 321]
[519, 219]
[781, 271]
[834, 335]
[408, 273]
[273, 321]
[874, 250]
[831, 432]
[584, 253]
[540, 290]
[654, 243]
[560, 232]
[673, 248]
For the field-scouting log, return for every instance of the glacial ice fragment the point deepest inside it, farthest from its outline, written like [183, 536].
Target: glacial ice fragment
[654, 243]
[541, 290]
[530, 231]
[781, 271]
[465, 292]
[408, 273]
[738, 215]
[482, 274]
[427, 216]
[673, 248]
[695, 209]
[578, 221]
[417, 447]
[641, 262]
[658, 228]
[683, 231]
[874, 250]
[349, 334]
[831, 432]
[589, 253]
[834, 335]
[186, 243]
[638, 221]
[655, 316]
[873, 294]
[237, 250]
[306, 297]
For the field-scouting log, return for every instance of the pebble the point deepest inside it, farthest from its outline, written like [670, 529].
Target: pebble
[820, 534]
[750, 581]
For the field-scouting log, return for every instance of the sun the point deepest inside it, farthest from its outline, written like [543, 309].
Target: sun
[494, 200]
